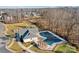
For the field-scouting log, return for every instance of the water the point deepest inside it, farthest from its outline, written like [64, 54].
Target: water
[50, 39]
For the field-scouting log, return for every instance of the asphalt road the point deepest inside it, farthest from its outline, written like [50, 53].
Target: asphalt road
[4, 50]
[3, 39]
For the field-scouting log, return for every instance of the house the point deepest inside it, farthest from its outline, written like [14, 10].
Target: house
[27, 34]
[32, 14]
[45, 40]
[4, 15]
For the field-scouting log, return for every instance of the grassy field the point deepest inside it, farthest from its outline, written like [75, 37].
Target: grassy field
[15, 47]
[65, 48]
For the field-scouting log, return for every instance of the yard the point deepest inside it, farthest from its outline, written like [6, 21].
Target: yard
[65, 48]
[15, 47]
[9, 28]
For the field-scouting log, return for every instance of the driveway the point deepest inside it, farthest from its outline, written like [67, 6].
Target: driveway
[4, 50]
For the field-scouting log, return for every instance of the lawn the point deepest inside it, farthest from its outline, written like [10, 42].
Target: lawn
[9, 28]
[15, 47]
[65, 48]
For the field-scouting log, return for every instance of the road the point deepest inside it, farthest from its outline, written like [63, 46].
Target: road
[4, 50]
[3, 39]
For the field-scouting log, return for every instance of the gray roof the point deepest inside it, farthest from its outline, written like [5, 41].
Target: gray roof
[32, 31]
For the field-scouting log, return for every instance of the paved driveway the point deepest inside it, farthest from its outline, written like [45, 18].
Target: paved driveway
[4, 50]
[3, 41]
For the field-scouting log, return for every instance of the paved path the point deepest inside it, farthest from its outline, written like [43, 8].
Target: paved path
[4, 50]
[2, 47]
[3, 41]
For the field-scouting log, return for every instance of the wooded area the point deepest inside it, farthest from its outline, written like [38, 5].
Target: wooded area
[62, 21]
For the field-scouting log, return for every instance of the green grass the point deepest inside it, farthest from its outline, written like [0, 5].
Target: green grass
[65, 48]
[15, 47]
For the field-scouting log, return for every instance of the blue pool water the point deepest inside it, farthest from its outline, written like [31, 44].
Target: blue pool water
[50, 38]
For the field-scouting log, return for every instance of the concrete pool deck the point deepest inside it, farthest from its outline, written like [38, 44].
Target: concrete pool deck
[50, 47]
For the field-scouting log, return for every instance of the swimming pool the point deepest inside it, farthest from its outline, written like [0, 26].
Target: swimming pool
[50, 38]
